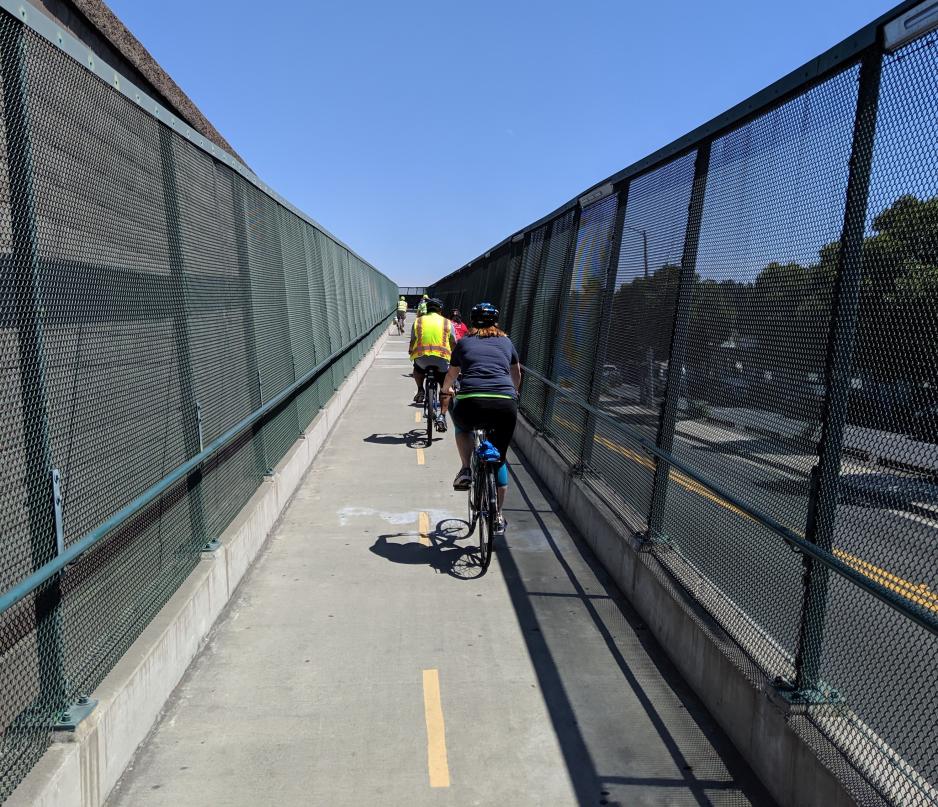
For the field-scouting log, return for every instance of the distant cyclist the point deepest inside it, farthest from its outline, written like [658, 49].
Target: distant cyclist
[432, 340]
[401, 312]
[458, 324]
[422, 306]
[490, 376]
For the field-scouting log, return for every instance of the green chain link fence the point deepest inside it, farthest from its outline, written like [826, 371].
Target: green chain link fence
[158, 307]
[735, 341]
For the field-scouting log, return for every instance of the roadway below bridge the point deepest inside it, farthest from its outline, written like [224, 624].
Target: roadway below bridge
[364, 660]
[872, 657]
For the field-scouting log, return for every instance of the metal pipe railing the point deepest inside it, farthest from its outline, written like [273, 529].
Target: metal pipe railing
[45, 572]
[908, 609]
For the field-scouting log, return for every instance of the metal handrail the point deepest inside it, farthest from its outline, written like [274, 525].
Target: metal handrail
[904, 606]
[45, 572]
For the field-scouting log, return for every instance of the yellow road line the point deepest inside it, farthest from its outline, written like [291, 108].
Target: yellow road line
[423, 528]
[436, 730]
[418, 416]
[918, 593]
[421, 459]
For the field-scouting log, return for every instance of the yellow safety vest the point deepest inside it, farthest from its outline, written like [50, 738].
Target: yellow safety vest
[401, 305]
[431, 337]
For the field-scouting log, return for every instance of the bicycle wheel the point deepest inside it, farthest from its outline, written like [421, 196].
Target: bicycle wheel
[472, 508]
[487, 514]
[428, 416]
[428, 401]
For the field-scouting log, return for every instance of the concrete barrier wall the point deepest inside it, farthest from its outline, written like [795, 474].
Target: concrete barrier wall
[81, 769]
[787, 753]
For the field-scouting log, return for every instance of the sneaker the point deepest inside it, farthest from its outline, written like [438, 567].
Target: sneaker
[463, 480]
[501, 524]
[441, 424]
[418, 398]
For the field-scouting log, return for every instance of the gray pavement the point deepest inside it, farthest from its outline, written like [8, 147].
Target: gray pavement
[313, 687]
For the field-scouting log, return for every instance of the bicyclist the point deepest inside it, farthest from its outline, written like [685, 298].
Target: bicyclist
[432, 340]
[490, 376]
[458, 324]
[401, 312]
[422, 306]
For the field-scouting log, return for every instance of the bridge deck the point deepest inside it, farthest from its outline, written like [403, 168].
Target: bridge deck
[360, 662]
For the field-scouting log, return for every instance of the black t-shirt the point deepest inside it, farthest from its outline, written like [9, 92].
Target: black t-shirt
[484, 362]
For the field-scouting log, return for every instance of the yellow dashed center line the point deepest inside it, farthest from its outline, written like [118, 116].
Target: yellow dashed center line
[421, 459]
[436, 730]
[423, 528]
[418, 416]
[918, 593]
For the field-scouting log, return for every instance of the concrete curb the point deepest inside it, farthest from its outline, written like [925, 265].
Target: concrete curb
[82, 769]
[770, 735]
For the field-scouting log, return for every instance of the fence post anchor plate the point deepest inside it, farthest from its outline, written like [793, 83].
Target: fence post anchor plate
[70, 717]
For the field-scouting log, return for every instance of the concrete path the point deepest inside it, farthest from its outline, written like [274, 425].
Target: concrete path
[363, 661]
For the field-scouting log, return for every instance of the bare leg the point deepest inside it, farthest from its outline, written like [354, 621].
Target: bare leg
[500, 493]
[419, 376]
[464, 446]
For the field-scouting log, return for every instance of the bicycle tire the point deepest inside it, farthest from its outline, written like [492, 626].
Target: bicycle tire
[487, 515]
[472, 498]
[428, 414]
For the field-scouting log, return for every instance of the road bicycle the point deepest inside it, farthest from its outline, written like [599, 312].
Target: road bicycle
[483, 495]
[399, 324]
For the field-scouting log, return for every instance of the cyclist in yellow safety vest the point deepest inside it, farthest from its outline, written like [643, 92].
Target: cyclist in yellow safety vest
[432, 340]
[422, 306]
[401, 310]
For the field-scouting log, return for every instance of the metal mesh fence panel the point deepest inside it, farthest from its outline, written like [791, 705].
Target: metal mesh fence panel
[638, 340]
[296, 283]
[151, 299]
[512, 271]
[580, 322]
[755, 352]
[886, 519]
[545, 312]
[271, 319]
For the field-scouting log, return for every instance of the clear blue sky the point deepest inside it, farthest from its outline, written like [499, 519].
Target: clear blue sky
[421, 133]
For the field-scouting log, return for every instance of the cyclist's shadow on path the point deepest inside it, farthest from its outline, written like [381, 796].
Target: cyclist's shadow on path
[443, 554]
[415, 438]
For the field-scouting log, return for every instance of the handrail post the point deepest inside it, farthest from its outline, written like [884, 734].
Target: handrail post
[679, 337]
[605, 317]
[26, 274]
[841, 335]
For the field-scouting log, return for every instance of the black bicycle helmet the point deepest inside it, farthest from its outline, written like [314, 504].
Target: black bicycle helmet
[434, 305]
[483, 315]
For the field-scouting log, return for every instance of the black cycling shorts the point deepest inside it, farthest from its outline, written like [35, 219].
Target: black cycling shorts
[497, 414]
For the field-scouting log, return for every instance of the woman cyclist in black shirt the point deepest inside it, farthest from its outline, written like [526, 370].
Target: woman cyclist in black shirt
[486, 363]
